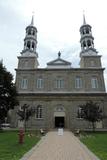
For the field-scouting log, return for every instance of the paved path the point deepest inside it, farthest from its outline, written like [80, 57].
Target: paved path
[60, 147]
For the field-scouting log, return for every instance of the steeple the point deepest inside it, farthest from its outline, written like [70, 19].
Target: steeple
[30, 41]
[88, 55]
[32, 21]
[86, 40]
[28, 58]
[84, 21]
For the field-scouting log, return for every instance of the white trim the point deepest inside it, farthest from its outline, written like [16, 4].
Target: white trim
[40, 83]
[94, 82]
[24, 83]
[78, 82]
[59, 83]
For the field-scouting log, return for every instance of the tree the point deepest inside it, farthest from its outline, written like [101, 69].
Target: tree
[25, 112]
[8, 92]
[90, 112]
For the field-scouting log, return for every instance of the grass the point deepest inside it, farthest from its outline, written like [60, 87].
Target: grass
[10, 149]
[97, 143]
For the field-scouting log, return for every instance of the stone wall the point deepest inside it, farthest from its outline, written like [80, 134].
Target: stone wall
[69, 102]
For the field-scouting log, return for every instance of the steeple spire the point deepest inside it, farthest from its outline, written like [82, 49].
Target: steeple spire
[84, 20]
[32, 20]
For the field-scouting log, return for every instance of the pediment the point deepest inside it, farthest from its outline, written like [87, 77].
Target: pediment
[59, 61]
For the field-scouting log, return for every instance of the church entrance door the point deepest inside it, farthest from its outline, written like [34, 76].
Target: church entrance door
[59, 122]
[59, 116]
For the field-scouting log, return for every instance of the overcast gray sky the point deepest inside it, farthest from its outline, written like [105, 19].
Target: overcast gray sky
[58, 23]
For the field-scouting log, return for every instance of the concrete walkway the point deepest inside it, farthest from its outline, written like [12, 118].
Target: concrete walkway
[59, 147]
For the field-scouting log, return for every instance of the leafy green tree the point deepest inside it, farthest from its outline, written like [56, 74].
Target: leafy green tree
[91, 112]
[8, 93]
[25, 112]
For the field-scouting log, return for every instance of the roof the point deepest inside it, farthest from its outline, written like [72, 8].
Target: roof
[59, 62]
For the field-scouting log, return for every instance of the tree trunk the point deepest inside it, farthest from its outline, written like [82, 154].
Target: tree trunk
[25, 125]
[93, 125]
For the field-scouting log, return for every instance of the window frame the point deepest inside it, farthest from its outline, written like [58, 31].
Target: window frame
[39, 112]
[94, 83]
[59, 83]
[24, 83]
[40, 83]
[78, 82]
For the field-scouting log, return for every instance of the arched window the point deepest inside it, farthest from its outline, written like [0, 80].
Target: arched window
[87, 30]
[83, 32]
[33, 45]
[28, 45]
[39, 111]
[33, 32]
[89, 43]
[29, 32]
[84, 44]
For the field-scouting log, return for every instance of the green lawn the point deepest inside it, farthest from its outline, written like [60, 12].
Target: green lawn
[10, 149]
[97, 143]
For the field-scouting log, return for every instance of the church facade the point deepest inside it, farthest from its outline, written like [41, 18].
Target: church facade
[57, 90]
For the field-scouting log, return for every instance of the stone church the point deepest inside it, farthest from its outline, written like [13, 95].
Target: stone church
[57, 90]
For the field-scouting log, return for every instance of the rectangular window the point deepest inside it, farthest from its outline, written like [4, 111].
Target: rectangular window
[24, 83]
[59, 83]
[94, 82]
[40, 83]
[78, 82]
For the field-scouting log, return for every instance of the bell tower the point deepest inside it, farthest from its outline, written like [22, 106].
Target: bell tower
[28, 58]
[89, 56]
[87, 40]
